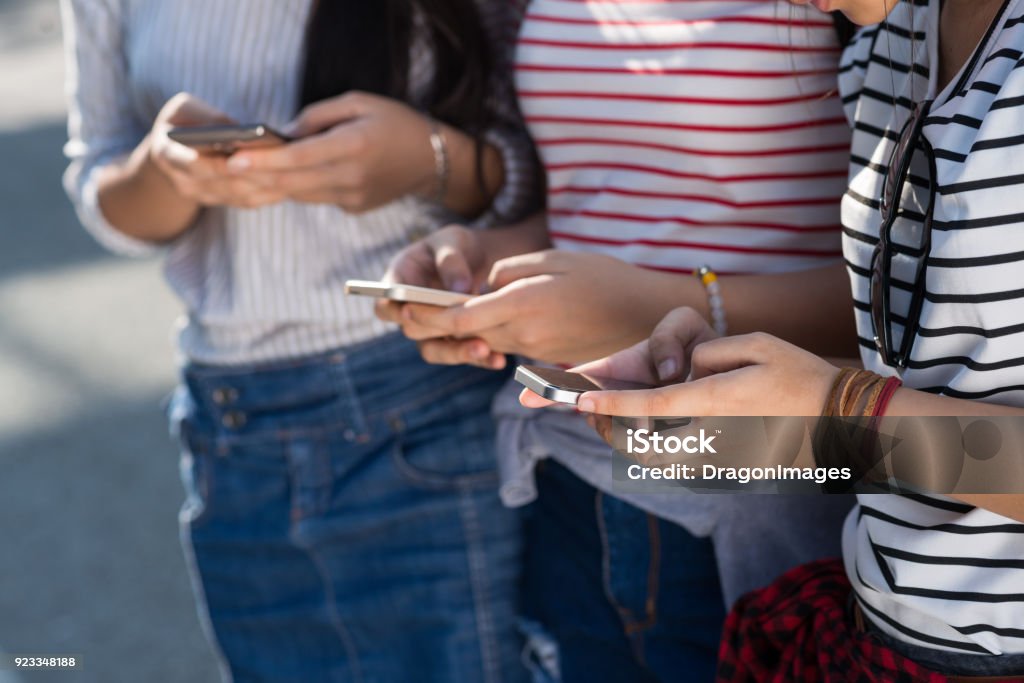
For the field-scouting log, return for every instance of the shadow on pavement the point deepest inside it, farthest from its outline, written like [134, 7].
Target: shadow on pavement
[38, 227]
[91, 565]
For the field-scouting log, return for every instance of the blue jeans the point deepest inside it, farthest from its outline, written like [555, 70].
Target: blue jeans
[342, 520]
[624, 595]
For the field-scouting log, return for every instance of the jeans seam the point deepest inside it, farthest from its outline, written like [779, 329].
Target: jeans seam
[632, 628]
[203, 606]
[347, 643]
[477, 561]
[653, 573]
[625, 614]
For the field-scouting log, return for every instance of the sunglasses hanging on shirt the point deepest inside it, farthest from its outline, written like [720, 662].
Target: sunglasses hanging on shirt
[899, 263]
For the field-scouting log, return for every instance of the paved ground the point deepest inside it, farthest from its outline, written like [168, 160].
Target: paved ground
[89, 560]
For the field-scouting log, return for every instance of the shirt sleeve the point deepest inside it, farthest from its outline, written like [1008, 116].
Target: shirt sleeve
[102, 128]
[522, 192]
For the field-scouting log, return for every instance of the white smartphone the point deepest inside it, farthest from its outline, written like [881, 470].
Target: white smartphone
[566, 387]
[409, 294]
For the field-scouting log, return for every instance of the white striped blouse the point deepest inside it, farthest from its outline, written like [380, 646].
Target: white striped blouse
[262, 284]
[929, 570]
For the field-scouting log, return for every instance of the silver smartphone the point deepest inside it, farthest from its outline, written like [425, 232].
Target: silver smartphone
[228, 138]
[566, 387]
[409, 294]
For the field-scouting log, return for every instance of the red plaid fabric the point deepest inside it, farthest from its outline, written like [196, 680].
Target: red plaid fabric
[797, 630]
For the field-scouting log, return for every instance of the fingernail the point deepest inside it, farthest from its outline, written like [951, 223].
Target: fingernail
[237, 163]
[667, 368]
[586, 405]
[478, 352]
[462, 285]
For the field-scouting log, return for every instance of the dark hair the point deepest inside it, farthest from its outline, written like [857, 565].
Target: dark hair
[845, 28]
[365, 45]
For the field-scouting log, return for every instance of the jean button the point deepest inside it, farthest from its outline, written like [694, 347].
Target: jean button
[225, 395]
[234, 420]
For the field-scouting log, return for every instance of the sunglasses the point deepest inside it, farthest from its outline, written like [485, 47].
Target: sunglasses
[900, 258]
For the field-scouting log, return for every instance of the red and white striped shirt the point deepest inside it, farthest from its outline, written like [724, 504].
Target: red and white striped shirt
[683, 133]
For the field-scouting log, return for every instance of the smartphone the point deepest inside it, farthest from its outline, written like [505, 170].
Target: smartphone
[409, 294]
[566, 387]
[228, 138]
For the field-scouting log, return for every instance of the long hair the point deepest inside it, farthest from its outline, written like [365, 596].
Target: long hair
[365, 45]
[845, 28]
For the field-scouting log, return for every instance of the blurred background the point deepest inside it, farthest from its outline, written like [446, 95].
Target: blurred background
[89, 490]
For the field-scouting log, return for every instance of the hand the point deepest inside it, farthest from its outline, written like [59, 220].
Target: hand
[554, 306]
[202, 178]
[661, 359]
[754, 374]
[453, 259]
[357, 151]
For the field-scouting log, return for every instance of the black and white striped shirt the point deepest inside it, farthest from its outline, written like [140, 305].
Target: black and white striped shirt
[260, 284]
[929, 570]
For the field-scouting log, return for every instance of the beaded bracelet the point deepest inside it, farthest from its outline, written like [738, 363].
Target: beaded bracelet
[442, 165]
[709, 279]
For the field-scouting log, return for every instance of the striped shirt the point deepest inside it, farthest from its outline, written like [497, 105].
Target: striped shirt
[260, 284]
[681, 134]
[928, 570]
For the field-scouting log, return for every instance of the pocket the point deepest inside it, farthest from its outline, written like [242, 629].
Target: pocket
[455, 448]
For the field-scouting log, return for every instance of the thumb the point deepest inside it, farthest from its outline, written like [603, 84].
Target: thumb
[508, 270]
[453, 268]
[320, 116]
[674, 339]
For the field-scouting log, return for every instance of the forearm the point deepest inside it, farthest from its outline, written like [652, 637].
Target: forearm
[525, 237]
[138, 199]
[910, 403]
[812, 308]
[475, 175]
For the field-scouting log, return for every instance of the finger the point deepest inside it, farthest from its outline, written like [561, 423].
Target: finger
[177, 155]
[388, 311]
[333, 145]
[673, 341]
[416, 330]
[305, 181]
[731, 353]
[632, 365]
[530, 399]
[674, 400]
[460, 352]
[602, 424]
[319, 116]
[477, 315]
[508, 270]
[189, 110]
[191, 162]
[414, 265]
[452, 265]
